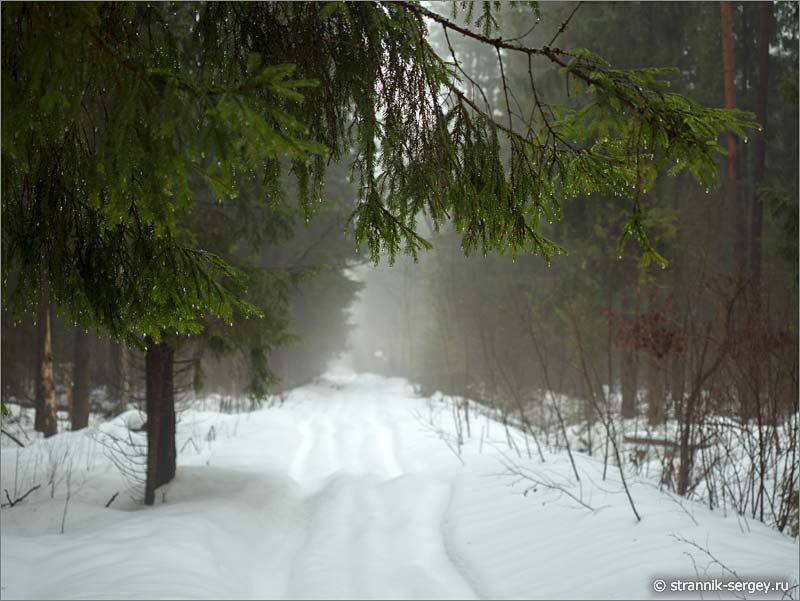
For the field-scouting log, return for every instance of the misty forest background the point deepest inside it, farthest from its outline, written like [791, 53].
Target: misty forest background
[681, 357]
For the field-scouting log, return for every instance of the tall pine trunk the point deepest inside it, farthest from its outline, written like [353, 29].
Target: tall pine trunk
[757, 210]
[46, 420]
[738, 210]
[160, 404]
[80, 381]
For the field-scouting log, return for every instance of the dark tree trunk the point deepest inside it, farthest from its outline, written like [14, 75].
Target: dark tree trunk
[68, 388]
[122, 385]
[757, 211]
[686, 454]
[726, 23]
[655, 391]
[160, 404]
[124, 378]
[38, 402]
[688, 415]
[46, 420]
[628, 368]
[80, 381]
[628, 380]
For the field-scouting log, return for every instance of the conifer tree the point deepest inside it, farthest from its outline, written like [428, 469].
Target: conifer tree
[111, 112]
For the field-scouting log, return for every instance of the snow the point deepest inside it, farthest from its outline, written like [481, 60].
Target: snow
[353, 489]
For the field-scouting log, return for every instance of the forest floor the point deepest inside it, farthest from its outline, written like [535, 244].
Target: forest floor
[355, 488]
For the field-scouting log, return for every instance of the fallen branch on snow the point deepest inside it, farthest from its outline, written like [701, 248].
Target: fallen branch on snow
[15, 501]
[12, 437]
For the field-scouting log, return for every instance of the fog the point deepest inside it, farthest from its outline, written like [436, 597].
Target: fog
[541, 233]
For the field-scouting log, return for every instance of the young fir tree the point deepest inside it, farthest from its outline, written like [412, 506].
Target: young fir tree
[110, 110]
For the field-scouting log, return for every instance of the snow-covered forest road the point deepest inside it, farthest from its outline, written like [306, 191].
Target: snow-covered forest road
[373, 517]
[350, 490]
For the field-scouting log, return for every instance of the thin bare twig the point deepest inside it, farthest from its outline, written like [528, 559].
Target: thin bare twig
[565, 23]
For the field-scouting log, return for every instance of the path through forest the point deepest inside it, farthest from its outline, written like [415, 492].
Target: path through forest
[373, 528]
[348, 490]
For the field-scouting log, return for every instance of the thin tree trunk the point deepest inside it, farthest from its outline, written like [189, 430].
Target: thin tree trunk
[122, 384]
[46, 420]
[757, 219]
[726, 22]
[124, 378]
[628, 379]
[80, 385]
[38, 390]
[160, 404]
[655, 391]
[757, 211]
[610, 341]
[68, 389]
[686, 451]
[677, 366]
[678, 378]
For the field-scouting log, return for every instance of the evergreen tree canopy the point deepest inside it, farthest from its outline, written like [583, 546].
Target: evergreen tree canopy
[114, 113]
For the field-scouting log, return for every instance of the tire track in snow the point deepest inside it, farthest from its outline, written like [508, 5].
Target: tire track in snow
[387, 442]
[405, 545]
[370, 530]
[329, 448]
[318, 454]
[457, 561]
[320, 567]
[300, 461]
[367, 538]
